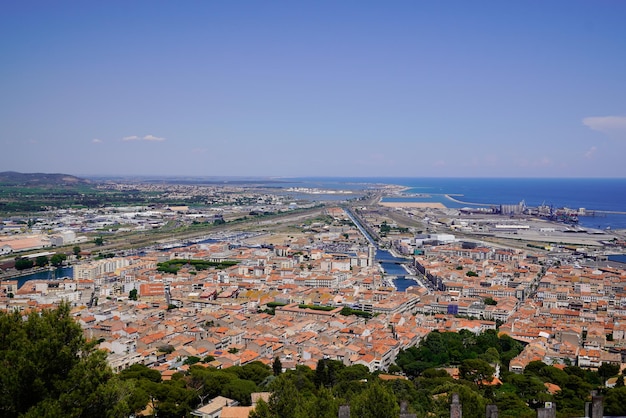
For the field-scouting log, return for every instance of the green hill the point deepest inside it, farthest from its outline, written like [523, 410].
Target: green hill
[12, 178]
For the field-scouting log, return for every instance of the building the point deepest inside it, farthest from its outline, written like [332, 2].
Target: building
[214, 408]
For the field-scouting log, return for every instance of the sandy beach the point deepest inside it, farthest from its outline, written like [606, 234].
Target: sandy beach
[421, 205]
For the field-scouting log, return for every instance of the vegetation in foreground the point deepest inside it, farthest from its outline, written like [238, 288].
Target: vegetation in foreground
[50, 370]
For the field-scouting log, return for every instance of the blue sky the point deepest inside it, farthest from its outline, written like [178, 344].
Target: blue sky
[318, 88]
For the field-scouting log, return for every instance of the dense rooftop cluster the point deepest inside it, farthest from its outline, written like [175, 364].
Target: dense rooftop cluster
[321, 296]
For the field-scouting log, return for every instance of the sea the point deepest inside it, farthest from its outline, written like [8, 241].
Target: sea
[593, 194]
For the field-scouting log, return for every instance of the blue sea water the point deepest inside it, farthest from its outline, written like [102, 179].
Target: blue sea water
[602, 194]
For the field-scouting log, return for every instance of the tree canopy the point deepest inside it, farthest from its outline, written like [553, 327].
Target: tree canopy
[58, 259]
[49, 369]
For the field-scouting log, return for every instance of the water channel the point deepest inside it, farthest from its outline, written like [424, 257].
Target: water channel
[58, 273]
[390, 265]
[388, 262]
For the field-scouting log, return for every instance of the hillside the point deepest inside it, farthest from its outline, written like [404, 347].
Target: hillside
[12, 178]
[35, 192]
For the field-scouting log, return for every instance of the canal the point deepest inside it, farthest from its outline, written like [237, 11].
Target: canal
[388, 262]
[390, 265]
[58, 273]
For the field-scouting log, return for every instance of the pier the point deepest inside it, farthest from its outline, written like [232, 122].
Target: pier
[603, 212]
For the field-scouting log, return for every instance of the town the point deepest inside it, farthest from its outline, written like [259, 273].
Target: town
[316, 290]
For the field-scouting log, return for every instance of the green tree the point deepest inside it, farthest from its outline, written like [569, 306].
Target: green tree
[526, 386]
[285, 400]
[477, 371]
[132, 295]
[614, 401]
[76, 250]
[491, 356]
[302, 377]
[405, 390]
[191, 360]
[490, 301]
[57, 259]
[41, 261]
[173, 399]
[394, 369]
[23, 263]
[262, 410]
[354, 372]
[210, 383]
[320, 373]
[508, 348]
[99, 241]
[573, 394]
[512, 406]
[324, 405]
[376, 401]
[277, 366]
[473, 403]
[607, 370]
[140, 372]
[553, 375]
[255, 371]
[240, 390]
[486, 340]
[50, 370]
[326, 372]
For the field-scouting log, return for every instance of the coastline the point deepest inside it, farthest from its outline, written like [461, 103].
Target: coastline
[449, 197]
[417, 205]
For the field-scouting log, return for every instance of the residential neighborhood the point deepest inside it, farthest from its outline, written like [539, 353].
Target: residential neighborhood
[303, 300]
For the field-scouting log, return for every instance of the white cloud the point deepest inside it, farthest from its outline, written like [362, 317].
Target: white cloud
[96, 141]
[152, 138]
[613, 126]
[590, 152]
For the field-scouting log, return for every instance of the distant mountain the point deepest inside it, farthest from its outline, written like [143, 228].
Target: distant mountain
[12, 178]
